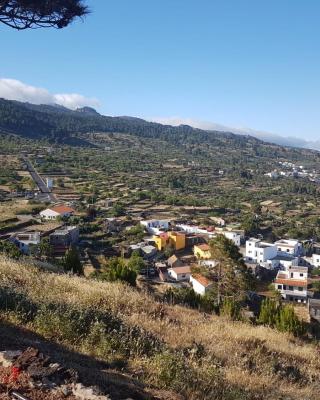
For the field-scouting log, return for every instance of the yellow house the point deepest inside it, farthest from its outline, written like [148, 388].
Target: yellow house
[161, 241]
[202, 251]
[176, 240]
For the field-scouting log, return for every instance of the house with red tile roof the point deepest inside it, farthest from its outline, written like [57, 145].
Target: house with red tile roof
[54, 212]
[200, 284]
[292, 283]
[182, 273]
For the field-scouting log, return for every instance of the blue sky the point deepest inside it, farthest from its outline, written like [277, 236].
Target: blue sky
[240, 63]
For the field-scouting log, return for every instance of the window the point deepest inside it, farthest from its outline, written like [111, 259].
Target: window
[301, 274]
[250, 244]
[290, 287]
[279, 286]
[300, 289]
[288, 250]
[291, 274]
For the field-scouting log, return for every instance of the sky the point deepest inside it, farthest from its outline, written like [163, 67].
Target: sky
[238, 63]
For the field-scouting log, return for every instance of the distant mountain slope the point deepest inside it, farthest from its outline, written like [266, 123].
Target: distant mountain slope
[59, 124]
[49, 120]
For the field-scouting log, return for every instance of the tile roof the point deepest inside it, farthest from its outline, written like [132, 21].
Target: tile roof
[62, 209]
[202, 280]
[185, 269]
[203, 247]
[291, 282]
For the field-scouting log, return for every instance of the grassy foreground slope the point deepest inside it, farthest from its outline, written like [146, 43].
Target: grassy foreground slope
[167, 348]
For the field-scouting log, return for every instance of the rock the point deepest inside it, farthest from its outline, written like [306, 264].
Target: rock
[65, 390]
[7, 358]
[87, 393]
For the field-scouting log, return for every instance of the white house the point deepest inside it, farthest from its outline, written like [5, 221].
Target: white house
[316, 260]
[234, 236]
[180, 273]
[211, 232]
[24, 241]
[53, 213]
[284, 261]
[200, 284]
[273, 174]
[196, 230]
[208, 263]
[292, 247]
[155, 227]
[259, 252]
[293, 284]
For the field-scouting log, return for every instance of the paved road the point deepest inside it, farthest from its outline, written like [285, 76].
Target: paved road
[38, 181]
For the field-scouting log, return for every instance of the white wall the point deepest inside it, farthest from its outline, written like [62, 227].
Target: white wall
[235, 237]
[155, 226]
[316, 260]
[260, 252]
[178, 277]
[49, 214]
[197, 287]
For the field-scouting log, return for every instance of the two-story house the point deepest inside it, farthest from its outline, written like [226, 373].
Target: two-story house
[292, 247]
[259, 252]
[292, 283]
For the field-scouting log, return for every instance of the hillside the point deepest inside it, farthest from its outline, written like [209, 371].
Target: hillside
[152, 166]
[167, 348]
[59, 123]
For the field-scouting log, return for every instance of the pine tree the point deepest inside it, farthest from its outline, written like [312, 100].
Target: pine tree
[287, 321]
[72, 263]
[268, 312]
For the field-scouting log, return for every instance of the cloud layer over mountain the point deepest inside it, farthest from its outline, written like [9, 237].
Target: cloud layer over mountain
[12, 89]
[266, 136]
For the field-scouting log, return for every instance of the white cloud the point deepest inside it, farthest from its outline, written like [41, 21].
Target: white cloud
[13, 89]
[266, 136]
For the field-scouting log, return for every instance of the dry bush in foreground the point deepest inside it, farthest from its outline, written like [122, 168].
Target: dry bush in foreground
[167, 347]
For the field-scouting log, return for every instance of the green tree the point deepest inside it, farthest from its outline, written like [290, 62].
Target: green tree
[117, 270]
[136, 262]
[281, 317]
[231, 309]
[233, 277]
[118, 210]
[45, 248]
[251, 225]
[25, 14]
[287, 321]
[10, 249]
[268, 312]
[72, 263]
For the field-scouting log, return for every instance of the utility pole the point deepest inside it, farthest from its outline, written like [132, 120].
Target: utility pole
[219, 281]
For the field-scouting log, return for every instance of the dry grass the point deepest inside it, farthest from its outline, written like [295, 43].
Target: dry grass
[12, 208]
[258, 361]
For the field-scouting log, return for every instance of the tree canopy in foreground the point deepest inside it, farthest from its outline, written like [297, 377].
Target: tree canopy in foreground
[24, 14]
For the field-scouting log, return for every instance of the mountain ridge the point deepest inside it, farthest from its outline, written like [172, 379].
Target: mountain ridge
[60, 124]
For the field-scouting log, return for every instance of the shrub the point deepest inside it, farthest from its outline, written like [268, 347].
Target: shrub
[268, 312]
[281, 317]
[72, 263]
[231, 309]
[287, 321]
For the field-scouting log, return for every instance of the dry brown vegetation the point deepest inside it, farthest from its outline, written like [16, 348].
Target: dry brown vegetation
[165, 347]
